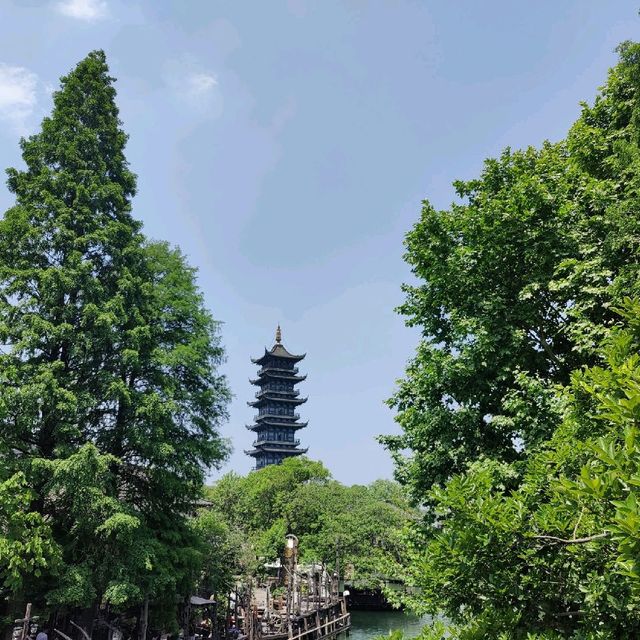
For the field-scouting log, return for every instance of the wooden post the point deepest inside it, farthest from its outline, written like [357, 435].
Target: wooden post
[26, 622]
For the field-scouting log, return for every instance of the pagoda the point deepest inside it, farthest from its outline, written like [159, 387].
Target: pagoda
[276, 422]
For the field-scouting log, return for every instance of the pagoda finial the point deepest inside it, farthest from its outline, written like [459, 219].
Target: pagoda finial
[278, 335]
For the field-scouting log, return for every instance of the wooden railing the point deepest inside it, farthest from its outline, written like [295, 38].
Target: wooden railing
[344, 616]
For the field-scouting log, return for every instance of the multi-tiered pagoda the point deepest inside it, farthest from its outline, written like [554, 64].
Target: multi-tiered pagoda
[276, 422]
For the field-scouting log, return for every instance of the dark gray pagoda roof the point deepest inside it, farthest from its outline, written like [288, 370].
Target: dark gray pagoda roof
[278, 350]
[269, 398]
[273, 422]
[275, 449]
[273, 373]
[290, 444]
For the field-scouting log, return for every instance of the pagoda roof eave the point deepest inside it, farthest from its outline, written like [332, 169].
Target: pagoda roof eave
[261, 401]
[278, 351]
[271, 374]
[265, 424]
[275, 449]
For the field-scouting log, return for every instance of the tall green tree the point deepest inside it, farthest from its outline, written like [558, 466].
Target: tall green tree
[521, 429]
[515, 288]
[110, 394]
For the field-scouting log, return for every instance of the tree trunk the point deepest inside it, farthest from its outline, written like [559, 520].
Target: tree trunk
[144, 620]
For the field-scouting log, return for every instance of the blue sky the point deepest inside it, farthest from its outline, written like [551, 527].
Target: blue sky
[286, 146]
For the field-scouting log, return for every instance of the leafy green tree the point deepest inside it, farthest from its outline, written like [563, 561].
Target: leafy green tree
[521, 428]
[357, 527]
[221, 549]
[110, 396]
[555, 552]
[27, 548]
[516, 287]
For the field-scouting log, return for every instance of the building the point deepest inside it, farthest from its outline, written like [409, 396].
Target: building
[276, 422]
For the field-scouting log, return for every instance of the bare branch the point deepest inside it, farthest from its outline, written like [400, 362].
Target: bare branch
[597, 536]
[82, 631]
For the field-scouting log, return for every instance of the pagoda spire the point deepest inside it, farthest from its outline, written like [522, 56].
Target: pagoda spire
[278, 335]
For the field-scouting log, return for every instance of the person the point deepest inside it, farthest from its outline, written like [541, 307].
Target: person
[234, 632]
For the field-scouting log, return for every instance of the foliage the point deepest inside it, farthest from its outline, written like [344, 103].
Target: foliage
[27, 547]
[516, 287]
[221, 552]
[357, 527]
[110, 396]
[533, 530]
[553, 551]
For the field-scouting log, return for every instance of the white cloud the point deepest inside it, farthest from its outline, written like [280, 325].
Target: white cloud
[200, 84]
[17, 96]
[193, 86]
[87, 10]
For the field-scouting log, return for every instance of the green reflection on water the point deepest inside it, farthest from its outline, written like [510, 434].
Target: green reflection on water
[369, 624]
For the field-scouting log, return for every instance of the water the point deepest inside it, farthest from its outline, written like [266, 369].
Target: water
[366, 625]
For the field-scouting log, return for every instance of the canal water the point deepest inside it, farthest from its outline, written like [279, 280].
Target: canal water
[366, 625]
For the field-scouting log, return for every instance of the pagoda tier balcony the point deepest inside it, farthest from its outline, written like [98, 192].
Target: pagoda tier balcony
[293, 443]
[273, 423]
[274, 416]
[278, 393]
[271, 368]
[274, 399]
[275, 449]
[276, 376]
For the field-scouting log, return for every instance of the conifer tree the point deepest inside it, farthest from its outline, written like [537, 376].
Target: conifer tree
[110, 395]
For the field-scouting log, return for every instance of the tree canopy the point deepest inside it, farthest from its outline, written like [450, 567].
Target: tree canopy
[110, 391]
[520, 410]
[516, 285]
[356, 526]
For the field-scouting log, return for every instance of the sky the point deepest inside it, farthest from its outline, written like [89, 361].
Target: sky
[286, 147]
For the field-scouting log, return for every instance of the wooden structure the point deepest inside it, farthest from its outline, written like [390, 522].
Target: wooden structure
[304, 603]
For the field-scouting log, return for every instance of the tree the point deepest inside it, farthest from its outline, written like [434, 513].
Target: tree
[110, 396]
[555, 553]
[357, 526]
[521, 407]
[516, 288]
[221, 549]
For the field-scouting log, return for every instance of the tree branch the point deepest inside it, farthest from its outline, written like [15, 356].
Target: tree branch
[597, 536]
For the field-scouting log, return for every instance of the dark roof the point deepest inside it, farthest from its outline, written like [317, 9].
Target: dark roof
[269, 398]
[273, 422]
[277, 351]
[275, 449]
[281, 375]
